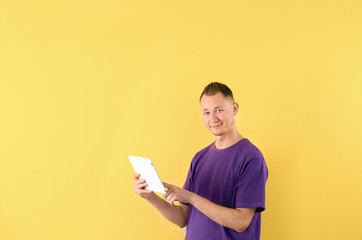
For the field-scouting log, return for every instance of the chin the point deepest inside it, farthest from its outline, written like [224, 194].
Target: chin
[218, 134]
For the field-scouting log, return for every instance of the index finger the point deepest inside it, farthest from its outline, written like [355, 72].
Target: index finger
[136, 176]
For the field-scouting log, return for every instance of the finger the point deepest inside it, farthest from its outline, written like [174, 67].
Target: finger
[141, 181]
[142, 190]
[171, 196]
[145, 191]
[167, 185]
[140, 186]
[136, 176]
[169, 191]
[173, 200]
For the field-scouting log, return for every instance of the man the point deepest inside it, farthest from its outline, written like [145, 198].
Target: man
[224, 192]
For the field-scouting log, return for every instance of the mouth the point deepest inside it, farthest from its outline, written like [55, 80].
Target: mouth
[216, 126]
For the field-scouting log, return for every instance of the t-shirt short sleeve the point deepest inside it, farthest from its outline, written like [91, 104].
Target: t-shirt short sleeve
[250, 185]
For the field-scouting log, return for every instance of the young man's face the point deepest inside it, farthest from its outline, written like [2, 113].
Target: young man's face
[218, 113]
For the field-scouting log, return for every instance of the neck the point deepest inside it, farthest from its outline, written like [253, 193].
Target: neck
[226, 141]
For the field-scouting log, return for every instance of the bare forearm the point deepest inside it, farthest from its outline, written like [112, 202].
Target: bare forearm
[227, 217]
[172, 213]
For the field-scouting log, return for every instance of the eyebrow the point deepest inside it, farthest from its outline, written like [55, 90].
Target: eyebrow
[205, 109]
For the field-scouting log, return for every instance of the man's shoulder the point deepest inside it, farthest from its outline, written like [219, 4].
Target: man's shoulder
[249, 149]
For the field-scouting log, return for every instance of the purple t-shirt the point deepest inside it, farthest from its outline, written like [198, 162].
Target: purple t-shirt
[234, 177]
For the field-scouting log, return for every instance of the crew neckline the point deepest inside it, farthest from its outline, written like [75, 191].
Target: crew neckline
[228, 148]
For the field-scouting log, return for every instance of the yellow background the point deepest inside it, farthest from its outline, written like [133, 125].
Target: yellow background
[85, 83]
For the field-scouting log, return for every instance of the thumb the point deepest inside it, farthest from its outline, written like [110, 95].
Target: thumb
[167, 185]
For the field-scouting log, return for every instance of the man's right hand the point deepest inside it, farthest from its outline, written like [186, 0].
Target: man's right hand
[139, 187]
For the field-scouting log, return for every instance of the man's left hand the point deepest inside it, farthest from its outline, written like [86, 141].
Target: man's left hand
[175, 193]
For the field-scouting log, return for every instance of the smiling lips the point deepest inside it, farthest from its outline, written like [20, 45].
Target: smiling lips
[216, 126]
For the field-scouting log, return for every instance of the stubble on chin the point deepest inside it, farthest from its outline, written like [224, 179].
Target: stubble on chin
[218, 134]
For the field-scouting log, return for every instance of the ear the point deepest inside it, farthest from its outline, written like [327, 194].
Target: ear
[235, 108]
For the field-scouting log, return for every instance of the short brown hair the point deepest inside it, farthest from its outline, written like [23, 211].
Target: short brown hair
[216, 87]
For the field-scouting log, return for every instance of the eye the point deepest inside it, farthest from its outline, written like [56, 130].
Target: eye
[219, 110]
[206, 113]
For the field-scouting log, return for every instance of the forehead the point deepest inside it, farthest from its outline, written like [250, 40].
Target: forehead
[211, 102]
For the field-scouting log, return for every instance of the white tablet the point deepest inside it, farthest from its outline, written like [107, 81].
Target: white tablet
[145, 168]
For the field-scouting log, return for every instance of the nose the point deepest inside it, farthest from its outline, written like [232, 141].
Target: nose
[213, 117]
